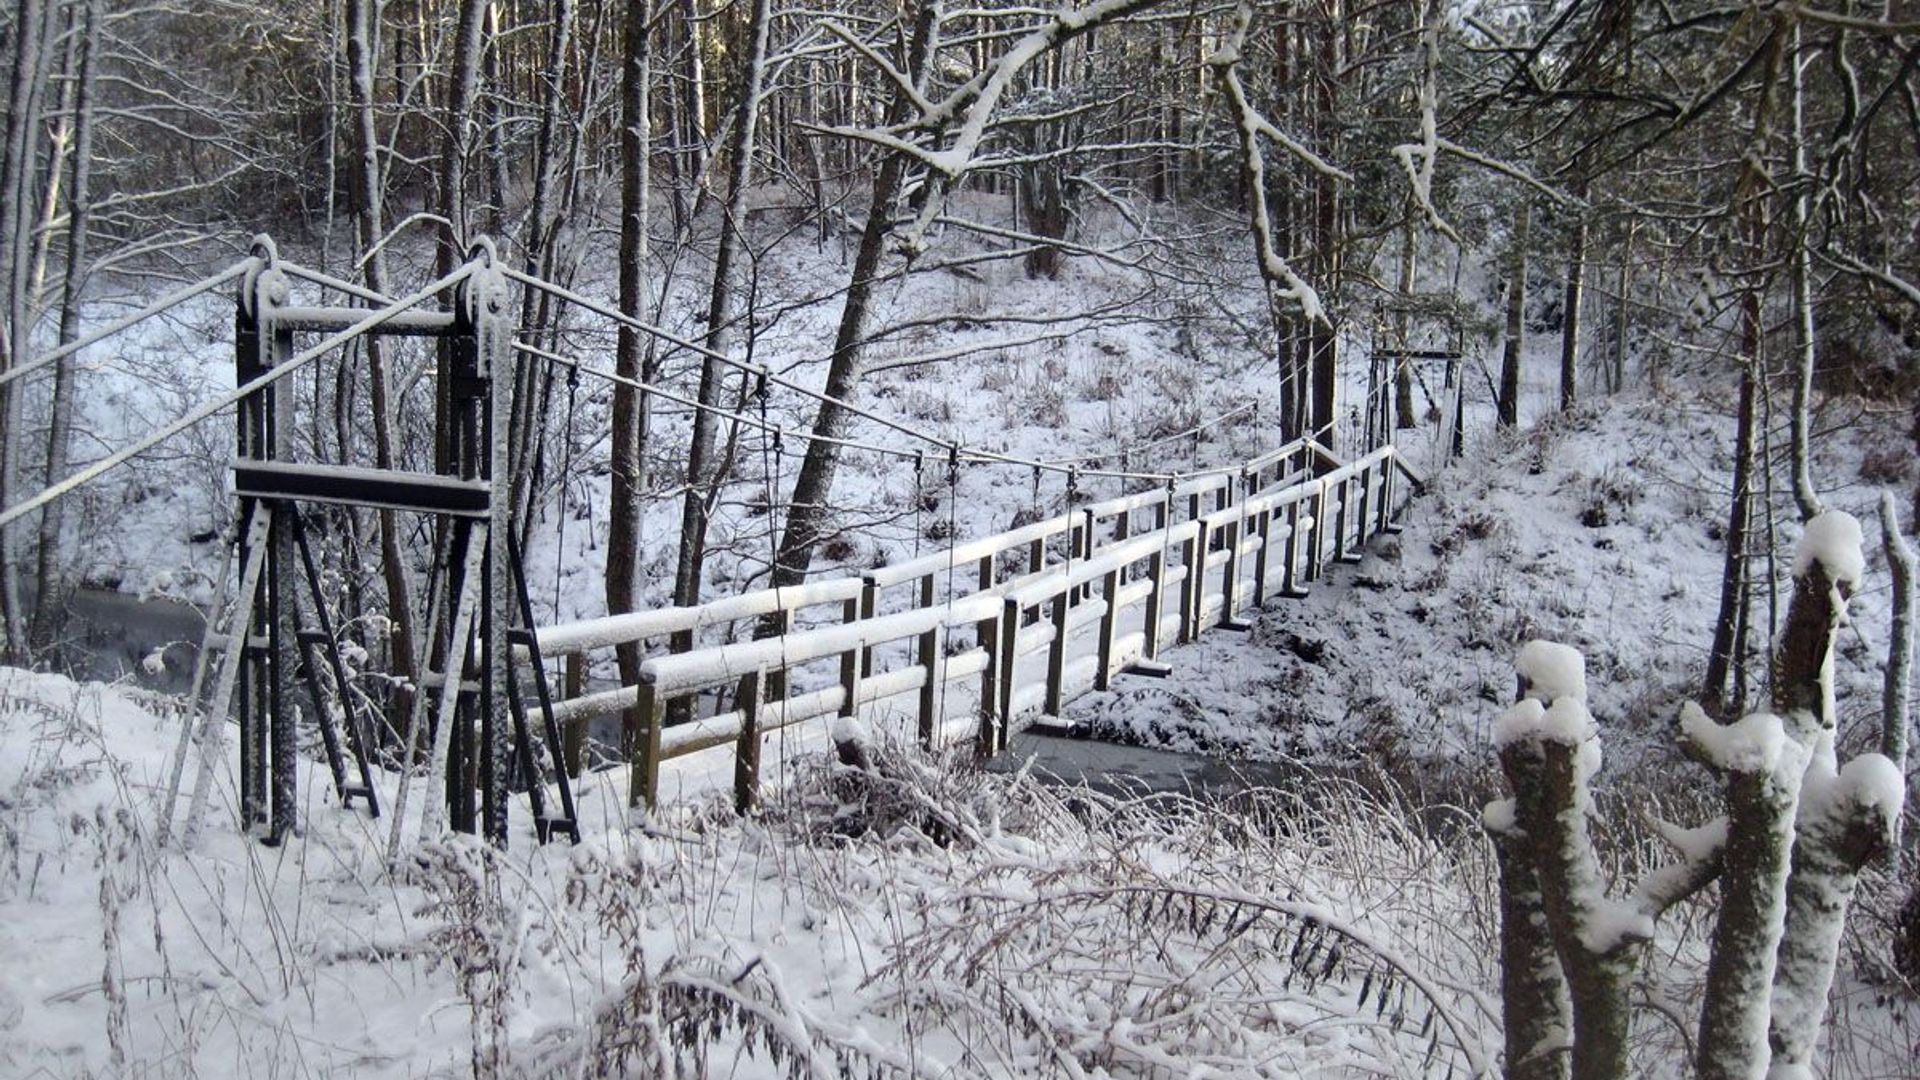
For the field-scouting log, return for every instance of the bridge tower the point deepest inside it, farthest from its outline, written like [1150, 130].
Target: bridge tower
[467, 704]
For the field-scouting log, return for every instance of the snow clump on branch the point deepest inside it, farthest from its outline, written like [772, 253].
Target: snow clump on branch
[1833, 540]
[1552, 671]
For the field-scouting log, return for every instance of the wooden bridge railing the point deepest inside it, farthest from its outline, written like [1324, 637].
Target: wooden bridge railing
[984, 609]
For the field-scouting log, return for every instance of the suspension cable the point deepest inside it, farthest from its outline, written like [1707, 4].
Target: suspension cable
[717, 410]
[818, 395]
[253, 386]
[179, 296]
[329, 281]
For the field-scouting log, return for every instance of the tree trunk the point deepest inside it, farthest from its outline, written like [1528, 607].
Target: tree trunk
[1405, 415]
[1536, 1014]
[539, 231]
[456, 146]
[1509, 404]
[703, 479]
[1570, 325]
[52, 590]
[1621, 311]
[807, 510]
[362, 58]
[1726, 649]
[16, 172]
[630, 407]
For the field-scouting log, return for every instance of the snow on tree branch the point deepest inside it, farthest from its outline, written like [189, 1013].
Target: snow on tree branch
[1833, 540]
[1427, 151]
[1283, 282]
[968, 111]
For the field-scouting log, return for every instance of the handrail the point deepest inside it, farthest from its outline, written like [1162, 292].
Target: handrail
[1105, 561]
[610, 630]
[723, 664]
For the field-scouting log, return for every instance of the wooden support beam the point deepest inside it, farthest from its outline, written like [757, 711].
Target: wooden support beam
[746, 755]
[1110, 585]
[643, 781]
[932, 650]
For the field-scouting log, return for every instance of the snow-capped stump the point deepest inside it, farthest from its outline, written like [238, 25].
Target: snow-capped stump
[1550, 671]
[1565, 722]
[1832, 540]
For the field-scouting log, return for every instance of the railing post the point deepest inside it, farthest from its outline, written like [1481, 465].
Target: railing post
[746, 755]
[643, 780]
[932, 661]
[1390, 467]
[1342, 520]
[869, 605]
[1057, 650]
[1263, 527]
[989, 689]
[850, 660]
[574, 682]
[1315, 537]
[1009, 661]
[1157, 573]
[1087, 548]
[1237, 535]
[1365, 515]
[1193, 553]
[1290, 552]
[1104, 673]
[775, 687]
[850, 680]
[1036, 557]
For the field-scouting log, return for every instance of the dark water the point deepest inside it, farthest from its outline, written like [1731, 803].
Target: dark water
[108, 636]
[1138, 769]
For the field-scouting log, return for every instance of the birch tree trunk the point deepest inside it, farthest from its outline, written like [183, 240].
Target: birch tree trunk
[60, 420]
[703, 481]
[1570, 326]
[1404, 414]
[363, 50]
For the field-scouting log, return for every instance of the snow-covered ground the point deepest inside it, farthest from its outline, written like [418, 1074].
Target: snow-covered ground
[933, 921]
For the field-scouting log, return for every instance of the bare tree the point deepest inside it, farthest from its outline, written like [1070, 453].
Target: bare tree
[79, 217]
[722, 303]
[630, 408]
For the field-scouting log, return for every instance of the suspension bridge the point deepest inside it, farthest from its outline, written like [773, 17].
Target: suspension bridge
[964, 644]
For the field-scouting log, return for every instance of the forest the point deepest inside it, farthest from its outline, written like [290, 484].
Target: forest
[802, 293]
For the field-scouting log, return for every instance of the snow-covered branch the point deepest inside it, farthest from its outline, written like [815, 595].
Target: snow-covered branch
[1283, 282]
